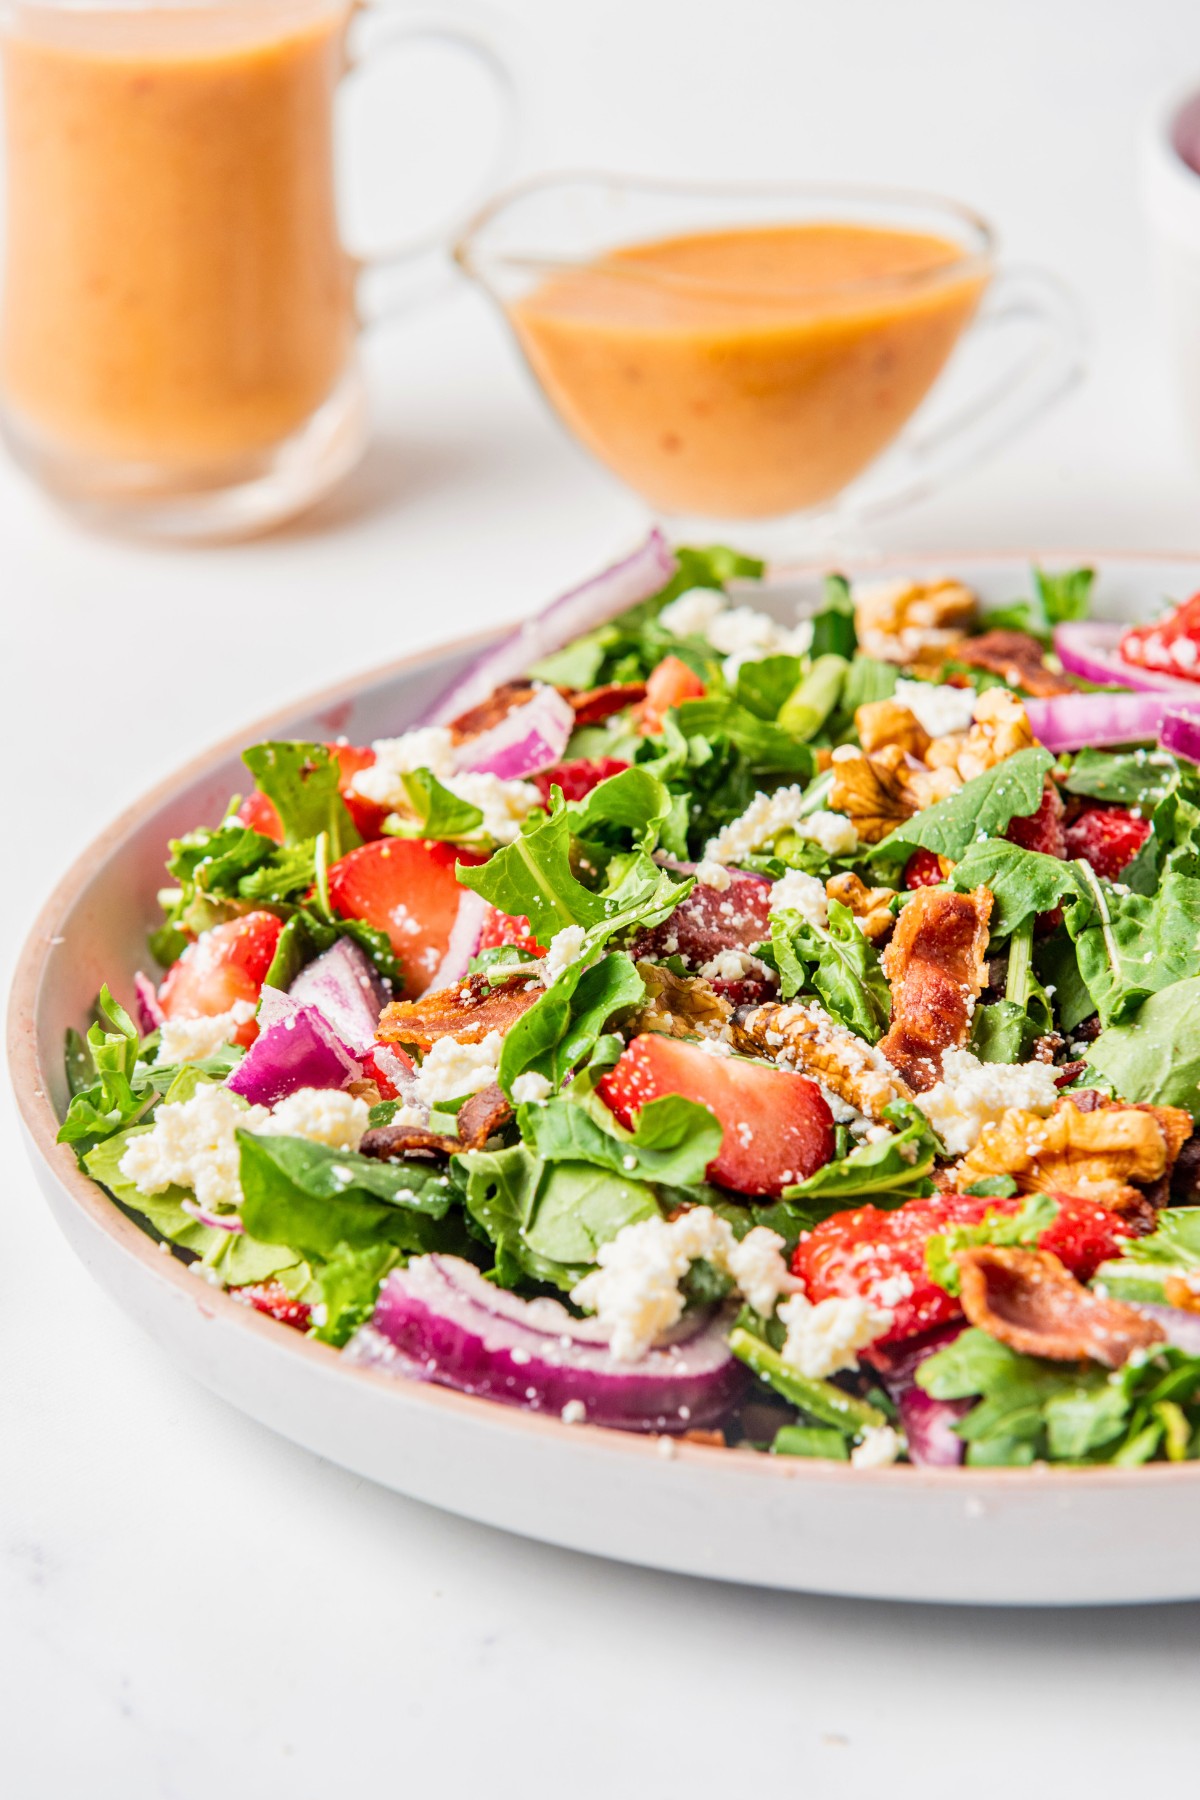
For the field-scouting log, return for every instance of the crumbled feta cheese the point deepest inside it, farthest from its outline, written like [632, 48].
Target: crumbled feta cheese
[880, 1446]
[691, 613]
[730, 965]
[765, 817]
[939, 710]
[451, 1069]
[192, 1144]
[530, 1087]
[832, 830]
[504, 804]
[634, 1290]
[573, 1413]
[566, 946]
[826, 1338]
[714, 875]
[972, 1094]
[798, 892]
[323, 1115]
[192, 1040]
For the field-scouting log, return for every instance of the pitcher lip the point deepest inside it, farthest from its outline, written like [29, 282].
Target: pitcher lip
[476, 263]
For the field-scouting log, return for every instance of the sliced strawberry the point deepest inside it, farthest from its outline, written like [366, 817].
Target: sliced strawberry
[387, 1065]
[711, 920]
[1171, 646]
[578, 777]
[1107, 837]
[924, 869]
[746, 990]
[224, 965]
[670, 684]
[259, 813]
[272, 1298]
[880, 1256]
[1042, 830]
[407, 888]
[503, 928]
[777, 1127]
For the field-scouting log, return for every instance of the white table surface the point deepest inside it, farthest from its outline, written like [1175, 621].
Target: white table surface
[190, 1606]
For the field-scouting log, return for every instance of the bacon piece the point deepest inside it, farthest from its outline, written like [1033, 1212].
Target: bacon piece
[388, 1143]
[499, 703]
[710, 920]
[1027, 1300]
[1017, 657]
[593, 705]
[467, 1012]
[481, 1116]
[936, 969]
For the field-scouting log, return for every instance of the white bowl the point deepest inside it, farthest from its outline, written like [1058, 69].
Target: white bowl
[1006, 1536]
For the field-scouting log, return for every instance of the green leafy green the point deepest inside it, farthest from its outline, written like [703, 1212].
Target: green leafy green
[439, 814]
[547, 1220]
[886, 1171]
[674, 1139]
[766, 749]
[763, 686]
[811, 1440]
[819, 1399]
[1140, 778]
[301, 781]
[1154, 1055]
[120, 1091]
[349, 1283]
[561, 1029]
[321, 1200]
[837, 962]
[1130, 946]
[982, 808]
[1022, 882]
[1056, 600]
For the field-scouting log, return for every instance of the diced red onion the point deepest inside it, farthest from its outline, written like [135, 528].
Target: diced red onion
[464, 941]
[1092, 649]
[583, 609]
[1182, 1328]
[441, 1316]
[1075, 721]
[151, 1016]
[928, 1424]
[1180, 733]
[274, 1005]
[529, 737]
[346, 988]
[300, 1051]
[215, 1221]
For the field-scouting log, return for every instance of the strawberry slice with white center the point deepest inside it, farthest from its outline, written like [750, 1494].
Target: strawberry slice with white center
[777, 1126]
[405, 887]
[224, 965]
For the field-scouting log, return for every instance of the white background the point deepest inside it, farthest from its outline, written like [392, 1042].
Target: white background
[190, 1607]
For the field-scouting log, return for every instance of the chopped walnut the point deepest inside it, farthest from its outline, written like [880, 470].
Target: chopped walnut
[1097, 1154]
[875, 798]
[807, 1039]
[1001, 728]
[1029, 1301]
[677, 1006]
[872, 907]
[908, 621]
[883, 722]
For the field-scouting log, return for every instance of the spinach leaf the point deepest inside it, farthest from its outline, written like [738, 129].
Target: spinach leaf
[837, 962]
[440, 814]
[981, 809]
[547, 1220]
[763, 686]
[1139, 778]
[1130, 946]
[885, 1172]
[318, 1199]
[636, 802]
[561, 1029]
[1022, 882]
[1155, 1055]
[674, 1139]
[301, 781]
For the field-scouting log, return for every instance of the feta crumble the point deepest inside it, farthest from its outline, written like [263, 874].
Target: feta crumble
[738, 633]
[880, 1446]
[826, 1338]
[451, 1069]
[798, 892]
[192, 1040]
[323, 1115]
[714, 875]
[730, 965]
[972, 1094]
[691, 613]
[192, 1144]
[504, 804]
[573, 1413]
[530, 1087]
[566, 947]
[940, 710]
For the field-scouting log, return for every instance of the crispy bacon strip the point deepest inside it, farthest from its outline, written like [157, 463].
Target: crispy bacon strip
[936, 969]
[489, 712]
[467, 1012]
[1031, 1303]
[1016, 656]
[593, 705]
[388, 1143]
[480, 1117]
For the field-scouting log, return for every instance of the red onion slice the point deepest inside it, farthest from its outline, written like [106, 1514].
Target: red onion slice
[440, 1317]
[230, 1222]
[1077, 721]
[1182, 1328]
[1180, 733]
[300, 1051]
[1092, 650]
[151, 1016]
[346, 988]
[928, 1424]
[464, 941]
[532, 736]
[598, 600]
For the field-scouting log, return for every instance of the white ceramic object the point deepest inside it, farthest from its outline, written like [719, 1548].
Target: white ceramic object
[1040, 1536]
[1171, 197]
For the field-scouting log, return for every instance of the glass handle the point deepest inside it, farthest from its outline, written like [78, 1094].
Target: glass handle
[410, 275]
[1030, 306]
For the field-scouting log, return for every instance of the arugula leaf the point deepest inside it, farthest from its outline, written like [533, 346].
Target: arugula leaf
[301, 781]
[440, 815]
[120, 1093]
[1130, 946]
[349, 1284]
[1024, 1227]
[321, 1200]
[763, 686]
[547, 1220]
[982, 808]
[1022, 882]
[836, 961]
[674, 1139]
[833, 627]
[562, 1028]
[1056, 599]
[1155, 1055]
[766, 749]
[635, 801]
[887, 1171]
[1139, 778]
[220, 871]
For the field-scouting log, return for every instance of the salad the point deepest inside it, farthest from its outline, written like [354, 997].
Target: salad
[780, 1034]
